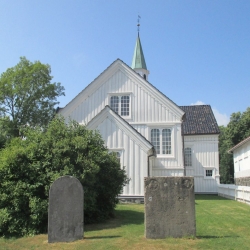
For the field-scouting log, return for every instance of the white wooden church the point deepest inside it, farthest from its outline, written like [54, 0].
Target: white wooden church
[151, 135]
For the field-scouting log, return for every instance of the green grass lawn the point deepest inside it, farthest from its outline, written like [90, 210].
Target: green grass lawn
[220, 224]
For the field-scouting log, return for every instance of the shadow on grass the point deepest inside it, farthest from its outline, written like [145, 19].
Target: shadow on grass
[123, 217]
[102, 237]
[210, 197]
[215, 237]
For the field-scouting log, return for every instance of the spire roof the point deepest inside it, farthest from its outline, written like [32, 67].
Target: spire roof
[138, 61]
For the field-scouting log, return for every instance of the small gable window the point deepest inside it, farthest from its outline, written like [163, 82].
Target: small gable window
[187, 157]
[120, 104]
[161, 139]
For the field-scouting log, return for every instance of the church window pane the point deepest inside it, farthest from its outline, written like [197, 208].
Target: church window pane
[161, 139]
[166, 141]
[114, 103]
[125, 106]
[155, 139]
[187, 157]
[209, 172]
[120, 104]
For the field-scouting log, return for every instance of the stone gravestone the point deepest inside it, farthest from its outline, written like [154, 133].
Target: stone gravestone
[169, 207]
[65, 215]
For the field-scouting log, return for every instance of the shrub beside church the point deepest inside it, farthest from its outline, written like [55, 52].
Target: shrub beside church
[29, 165]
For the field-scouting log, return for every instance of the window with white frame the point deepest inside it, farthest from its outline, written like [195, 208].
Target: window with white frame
[120, 104]
[161, 139]
[208, 172]
[187, 157]
[114, 103]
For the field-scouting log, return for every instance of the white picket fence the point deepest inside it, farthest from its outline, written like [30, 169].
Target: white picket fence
[239, 193]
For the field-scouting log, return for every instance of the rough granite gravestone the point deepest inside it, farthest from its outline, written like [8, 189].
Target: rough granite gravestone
[65, 215]
[169, 207]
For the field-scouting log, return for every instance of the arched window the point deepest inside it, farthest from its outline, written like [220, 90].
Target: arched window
[145, 77]
[188, 157]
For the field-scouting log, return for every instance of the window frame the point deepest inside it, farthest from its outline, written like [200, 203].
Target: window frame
[191, 154]
[161, 128]
[120, 95]
[209, 169]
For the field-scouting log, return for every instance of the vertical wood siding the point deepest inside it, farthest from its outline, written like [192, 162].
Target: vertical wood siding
[242, 161]
[145, 108]
[204, 156]
[174, 160]
[146, 111]
[133, 157]
[144, 105]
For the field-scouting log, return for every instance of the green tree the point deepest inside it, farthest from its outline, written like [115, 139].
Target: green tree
[29, 166]
[237, 130]
[27, 95]
[226, 159]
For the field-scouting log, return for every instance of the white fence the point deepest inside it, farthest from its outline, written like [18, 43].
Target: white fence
[239, 193]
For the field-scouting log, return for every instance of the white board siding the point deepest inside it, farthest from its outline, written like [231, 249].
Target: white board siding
[242, 161]
[167, 172]
[204, 156]
[148, 109]
[165, 161]
[144, 104]
[133, 158]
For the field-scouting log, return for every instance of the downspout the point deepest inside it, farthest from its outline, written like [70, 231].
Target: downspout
[182, 134]
[153, 154]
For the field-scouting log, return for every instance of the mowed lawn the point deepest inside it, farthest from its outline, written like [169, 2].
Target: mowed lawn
[220, 224]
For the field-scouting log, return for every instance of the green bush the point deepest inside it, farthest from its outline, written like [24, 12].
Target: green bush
[28, 167]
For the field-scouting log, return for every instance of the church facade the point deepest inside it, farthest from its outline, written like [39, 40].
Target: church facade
[149, 133]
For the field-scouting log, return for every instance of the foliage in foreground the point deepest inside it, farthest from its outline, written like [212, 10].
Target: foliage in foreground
[29, 166]
[237, 130]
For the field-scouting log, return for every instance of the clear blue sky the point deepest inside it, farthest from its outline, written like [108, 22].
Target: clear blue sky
[197, 51]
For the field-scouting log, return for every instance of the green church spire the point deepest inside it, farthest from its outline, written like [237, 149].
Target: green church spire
[138, 61]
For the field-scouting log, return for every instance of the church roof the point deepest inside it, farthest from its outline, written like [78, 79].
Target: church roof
[199, 120]
[138, 61]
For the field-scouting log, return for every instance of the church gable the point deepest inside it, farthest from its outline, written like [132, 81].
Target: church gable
[129, 94]
[148, 104]
[145, 129]
[113, 128]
